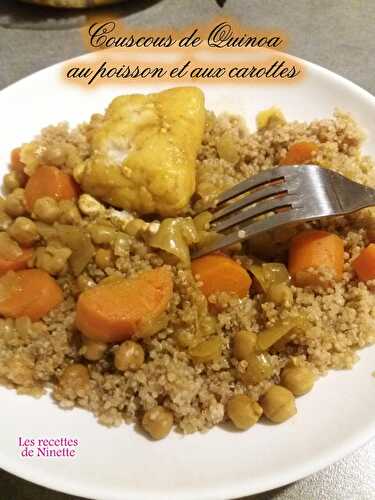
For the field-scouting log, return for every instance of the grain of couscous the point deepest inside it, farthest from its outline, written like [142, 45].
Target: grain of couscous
[235, 337]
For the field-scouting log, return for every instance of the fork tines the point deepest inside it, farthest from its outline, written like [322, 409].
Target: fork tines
[237, 212]
[265, 192]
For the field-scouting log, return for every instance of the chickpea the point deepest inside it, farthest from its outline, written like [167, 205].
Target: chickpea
[243, 411]
[84, 282]
[135, 226]
[55, 155]
[244, 344]
[129, 356]
[69, 213]
[5, 221]
[103, 258]
[153, 227]
[52, 259]
[90, 206]
[15, 203]
[2, 203]
[101, 234]
[9, 249]
[46, 209]
[298, 379]
[92, 350]
[278, 404]
[75, 377]
[11, 181]
[280, 294]
[24, 231]
[157, 422]
[20, 371]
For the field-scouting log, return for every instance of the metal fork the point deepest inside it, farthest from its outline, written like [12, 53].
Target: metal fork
[286, 194]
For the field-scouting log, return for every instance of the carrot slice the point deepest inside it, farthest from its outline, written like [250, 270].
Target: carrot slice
[52, 182]
[15, 160]
[364, 264]
[301, 152]
[16, 264]
[115, 311]
[314, 250]
[31, 293]
[219, 273]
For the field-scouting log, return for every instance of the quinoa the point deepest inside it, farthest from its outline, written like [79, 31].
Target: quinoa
[33, 356]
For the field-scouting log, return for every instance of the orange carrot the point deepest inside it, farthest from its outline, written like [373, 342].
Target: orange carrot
[16, 264]
[301, 152]
[364, 264]
[52, 182]
[15, 160]
[31, 293]
[315, 250]
[219, 273]
[115, 311]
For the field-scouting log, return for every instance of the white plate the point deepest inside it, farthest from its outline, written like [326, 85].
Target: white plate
[113, 464]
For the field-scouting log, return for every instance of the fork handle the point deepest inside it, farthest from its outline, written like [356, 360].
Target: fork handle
[356, 196]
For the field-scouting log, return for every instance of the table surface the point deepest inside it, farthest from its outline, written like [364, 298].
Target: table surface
[335, 34]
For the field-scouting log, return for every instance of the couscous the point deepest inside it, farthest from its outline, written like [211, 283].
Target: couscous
[101, 304]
